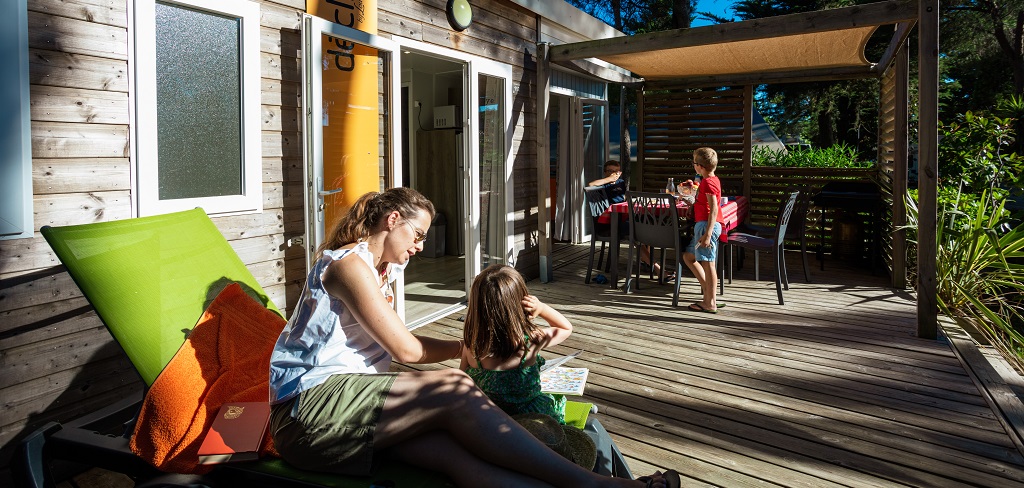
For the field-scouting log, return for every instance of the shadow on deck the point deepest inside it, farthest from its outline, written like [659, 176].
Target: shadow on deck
[831, 389]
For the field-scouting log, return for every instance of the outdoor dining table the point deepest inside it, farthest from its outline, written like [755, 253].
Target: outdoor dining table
[734, 212]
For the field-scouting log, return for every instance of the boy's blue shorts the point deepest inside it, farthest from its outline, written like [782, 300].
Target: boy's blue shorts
[705, 253]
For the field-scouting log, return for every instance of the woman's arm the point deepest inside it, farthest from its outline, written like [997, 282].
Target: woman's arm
[560, 327]
[354, 283]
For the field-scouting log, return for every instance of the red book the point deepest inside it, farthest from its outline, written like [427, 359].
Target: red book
[236, 433]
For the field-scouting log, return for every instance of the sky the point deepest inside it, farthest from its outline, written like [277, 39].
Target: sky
[717, 7]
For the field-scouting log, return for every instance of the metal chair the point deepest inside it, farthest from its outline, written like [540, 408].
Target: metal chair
[773, 244]
[797, 230]
[597, 203]
[653, 221]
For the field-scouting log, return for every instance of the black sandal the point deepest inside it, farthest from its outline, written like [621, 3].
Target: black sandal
[671, 478]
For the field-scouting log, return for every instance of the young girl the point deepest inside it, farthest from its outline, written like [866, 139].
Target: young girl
[503, 343]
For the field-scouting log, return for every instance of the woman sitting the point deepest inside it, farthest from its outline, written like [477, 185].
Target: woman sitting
[336, 406]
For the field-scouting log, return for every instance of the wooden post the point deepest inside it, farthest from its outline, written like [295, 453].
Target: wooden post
[928, 167]
[639, 172]
[625, 163]
[543, 176]
[748, 130]
[899, 175]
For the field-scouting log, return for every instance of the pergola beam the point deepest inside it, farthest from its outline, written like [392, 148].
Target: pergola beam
[898, 38]
[881, 13]
[798, 76]
[601, 72]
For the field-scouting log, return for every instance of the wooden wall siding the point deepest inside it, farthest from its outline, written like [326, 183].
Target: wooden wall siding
[57, 361]
[506, 33]
[675, 122]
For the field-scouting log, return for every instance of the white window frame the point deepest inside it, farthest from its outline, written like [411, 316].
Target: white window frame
[145, 147]
[16, 221]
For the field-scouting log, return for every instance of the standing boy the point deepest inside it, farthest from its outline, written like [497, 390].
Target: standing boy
[702, 251]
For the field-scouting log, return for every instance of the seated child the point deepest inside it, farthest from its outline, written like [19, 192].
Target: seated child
[503, 343]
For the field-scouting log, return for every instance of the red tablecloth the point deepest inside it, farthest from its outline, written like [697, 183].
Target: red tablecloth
[733, 213]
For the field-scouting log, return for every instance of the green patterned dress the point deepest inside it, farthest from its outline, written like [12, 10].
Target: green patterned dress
[518, 390]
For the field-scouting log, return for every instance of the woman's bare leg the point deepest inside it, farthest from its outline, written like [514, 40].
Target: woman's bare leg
[424, 402]
[439, 451]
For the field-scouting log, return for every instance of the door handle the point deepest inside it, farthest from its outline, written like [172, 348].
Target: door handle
[324, 193]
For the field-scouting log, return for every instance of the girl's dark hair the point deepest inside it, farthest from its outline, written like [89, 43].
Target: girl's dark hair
[496, 323]
[368, 212]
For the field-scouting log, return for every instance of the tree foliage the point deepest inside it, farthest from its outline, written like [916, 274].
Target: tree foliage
[639, 16]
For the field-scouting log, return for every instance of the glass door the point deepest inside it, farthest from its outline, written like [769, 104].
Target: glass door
[463, 168]
[347, 91]
[348, 87]
[592, 119]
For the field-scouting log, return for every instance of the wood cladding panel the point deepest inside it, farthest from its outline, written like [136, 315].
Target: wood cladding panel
[69, 35]
[55, 68]
[58, 104]
[59, 361]
[70, 140]
[107, 12]
[60, 175]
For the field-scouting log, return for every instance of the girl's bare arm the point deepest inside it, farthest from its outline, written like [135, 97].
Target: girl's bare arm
[560, 328]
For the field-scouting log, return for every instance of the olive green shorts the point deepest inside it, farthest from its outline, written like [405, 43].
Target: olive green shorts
[332, 426]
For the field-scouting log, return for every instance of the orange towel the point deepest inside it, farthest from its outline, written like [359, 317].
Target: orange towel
[225, 358]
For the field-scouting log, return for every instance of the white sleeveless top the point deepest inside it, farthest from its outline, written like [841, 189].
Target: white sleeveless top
[322, 337]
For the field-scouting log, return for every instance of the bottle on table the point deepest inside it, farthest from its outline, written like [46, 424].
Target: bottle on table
[670, 188]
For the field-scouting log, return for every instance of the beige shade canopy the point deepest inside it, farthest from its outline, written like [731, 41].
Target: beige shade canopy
[842, 48]
[828, 44]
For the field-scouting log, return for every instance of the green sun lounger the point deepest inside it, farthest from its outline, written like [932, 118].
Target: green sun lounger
[150, 279]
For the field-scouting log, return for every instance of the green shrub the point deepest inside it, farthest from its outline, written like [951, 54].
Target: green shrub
[979, 268]
[838, 156]
[975, 155]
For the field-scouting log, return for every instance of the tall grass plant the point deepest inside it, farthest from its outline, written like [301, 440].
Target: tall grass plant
[980, 270]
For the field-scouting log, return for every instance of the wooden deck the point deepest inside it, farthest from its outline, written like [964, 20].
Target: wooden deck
[831, 389]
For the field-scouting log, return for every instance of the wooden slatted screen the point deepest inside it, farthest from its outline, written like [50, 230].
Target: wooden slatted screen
[887, 101]
[674, 122]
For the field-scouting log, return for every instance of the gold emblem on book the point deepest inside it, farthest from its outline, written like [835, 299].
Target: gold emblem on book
[234, 411]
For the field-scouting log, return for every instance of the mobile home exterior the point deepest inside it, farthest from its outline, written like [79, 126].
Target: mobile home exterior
[102, 76]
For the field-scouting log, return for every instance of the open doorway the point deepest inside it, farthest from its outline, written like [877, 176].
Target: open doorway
[433, 99]
[579, 148]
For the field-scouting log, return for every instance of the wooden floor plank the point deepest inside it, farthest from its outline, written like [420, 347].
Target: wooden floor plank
[831, 389]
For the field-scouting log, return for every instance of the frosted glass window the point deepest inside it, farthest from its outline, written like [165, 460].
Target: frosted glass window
[199, 100]
[197, 106]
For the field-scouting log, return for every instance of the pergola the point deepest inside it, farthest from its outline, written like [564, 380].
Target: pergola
[814, 46]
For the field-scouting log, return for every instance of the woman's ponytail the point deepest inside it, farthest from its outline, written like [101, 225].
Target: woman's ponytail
[367, 212]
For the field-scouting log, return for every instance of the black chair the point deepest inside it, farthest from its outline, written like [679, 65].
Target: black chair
[653, 221]
[773, 245]
[797, 229]
[597, 203]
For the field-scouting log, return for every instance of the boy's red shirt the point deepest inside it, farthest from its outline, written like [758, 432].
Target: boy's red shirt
[701, 211]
